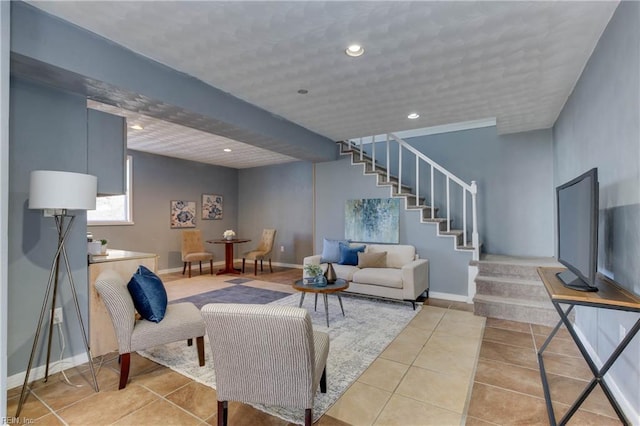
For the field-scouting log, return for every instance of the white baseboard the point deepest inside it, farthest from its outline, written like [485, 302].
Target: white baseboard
[221, 263]
[448, 296]
[37, 373]
[627, 408]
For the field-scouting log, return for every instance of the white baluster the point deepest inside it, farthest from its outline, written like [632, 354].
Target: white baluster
[361, 149]
[464, 216]
[417, 181]
[475, 238]
[373, 153]
[388, 161]
[448, 208]
[433, 206]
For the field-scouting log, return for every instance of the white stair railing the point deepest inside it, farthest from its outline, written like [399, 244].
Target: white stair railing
[368, 147]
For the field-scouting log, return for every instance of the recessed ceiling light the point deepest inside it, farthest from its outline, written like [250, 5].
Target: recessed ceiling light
[354, 50]
[137, 127]
[227, 150]
[413, 116]
[303, 91]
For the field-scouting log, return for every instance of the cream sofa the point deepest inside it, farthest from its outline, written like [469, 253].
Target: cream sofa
[403, 277]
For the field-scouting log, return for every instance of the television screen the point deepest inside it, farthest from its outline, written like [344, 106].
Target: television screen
[577, 203]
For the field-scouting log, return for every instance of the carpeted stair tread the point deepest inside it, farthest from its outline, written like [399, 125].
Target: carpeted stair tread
[510, 280]
[535, 312]
[486, 298]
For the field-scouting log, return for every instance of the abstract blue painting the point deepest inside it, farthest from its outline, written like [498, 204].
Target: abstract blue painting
[374, 220]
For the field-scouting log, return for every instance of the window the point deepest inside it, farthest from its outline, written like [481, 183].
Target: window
[114, 209]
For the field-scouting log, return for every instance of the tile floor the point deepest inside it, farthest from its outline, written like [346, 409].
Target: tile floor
[427, 375]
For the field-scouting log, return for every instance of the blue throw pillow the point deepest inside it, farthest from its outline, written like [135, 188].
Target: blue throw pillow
[331, 250]
[148, 294]
[349, 255]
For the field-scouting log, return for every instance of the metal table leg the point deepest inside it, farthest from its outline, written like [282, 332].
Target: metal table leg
[301, 299]
[326, 307]
[340, 300]
[315, 305]
[597, 373]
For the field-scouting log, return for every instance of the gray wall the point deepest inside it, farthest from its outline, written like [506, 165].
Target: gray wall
[600, 127]
[156, 181]
[279, 197]
[47, 131]
[339, 181]
[4, 195]
[514, 174]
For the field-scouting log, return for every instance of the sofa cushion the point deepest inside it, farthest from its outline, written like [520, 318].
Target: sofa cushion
[349, 255]
[372, 260]
[385, 277]
[397, 255]
[345, 272]
[331, 250]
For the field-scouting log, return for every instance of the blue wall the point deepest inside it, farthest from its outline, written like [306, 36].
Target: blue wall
[514, 174]
[47, 131]
[280, 197]
[600, 127]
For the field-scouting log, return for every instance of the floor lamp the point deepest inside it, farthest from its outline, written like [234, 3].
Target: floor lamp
[57, 193]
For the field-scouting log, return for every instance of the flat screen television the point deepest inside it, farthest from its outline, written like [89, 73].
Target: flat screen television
[577, 226]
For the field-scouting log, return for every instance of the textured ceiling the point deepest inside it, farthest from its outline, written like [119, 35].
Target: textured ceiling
[173, 140]
[449, 61]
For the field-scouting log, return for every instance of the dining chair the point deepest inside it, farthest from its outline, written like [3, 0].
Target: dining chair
[182, 321]
[264, 249]
[193, 250]
[266, 354]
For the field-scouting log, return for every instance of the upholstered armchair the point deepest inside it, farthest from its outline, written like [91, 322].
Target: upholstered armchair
[263, 250]
[182, 321]
[193, 251]
[266, 354]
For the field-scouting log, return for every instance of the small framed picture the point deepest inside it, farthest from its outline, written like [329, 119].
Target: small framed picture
[211, 206]
[183, 214]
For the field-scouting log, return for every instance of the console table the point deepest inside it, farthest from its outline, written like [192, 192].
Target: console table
[608, 296]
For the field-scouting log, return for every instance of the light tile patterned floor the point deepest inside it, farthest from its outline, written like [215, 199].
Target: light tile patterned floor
[423, 378]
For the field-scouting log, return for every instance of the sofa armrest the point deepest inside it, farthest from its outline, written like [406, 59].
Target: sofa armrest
[415, 278]
[312, 260]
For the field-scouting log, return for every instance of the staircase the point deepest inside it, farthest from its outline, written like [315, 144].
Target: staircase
[376, 158]
[510, 288]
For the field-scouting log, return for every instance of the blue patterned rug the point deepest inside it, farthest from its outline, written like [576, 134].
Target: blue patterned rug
[234, 294]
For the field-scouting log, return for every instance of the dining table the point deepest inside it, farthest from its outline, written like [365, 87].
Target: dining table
[228, 254]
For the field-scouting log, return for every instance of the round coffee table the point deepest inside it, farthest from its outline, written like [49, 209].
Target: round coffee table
[336, 288]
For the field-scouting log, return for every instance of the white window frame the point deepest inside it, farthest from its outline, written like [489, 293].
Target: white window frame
[129, 201]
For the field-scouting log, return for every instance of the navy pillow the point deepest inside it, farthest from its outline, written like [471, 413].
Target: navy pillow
[349, 255]
[148, 294]
[331, 250]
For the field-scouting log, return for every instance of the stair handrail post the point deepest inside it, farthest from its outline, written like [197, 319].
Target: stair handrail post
[399, 169]
[464, 217]
[474, 212]
[373, 153]
[388, 165]
[417, 181]
[448, 208]
[433, 206]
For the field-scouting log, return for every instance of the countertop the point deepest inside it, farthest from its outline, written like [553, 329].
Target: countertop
[114, 255]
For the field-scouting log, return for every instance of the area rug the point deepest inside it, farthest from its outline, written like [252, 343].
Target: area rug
[235, 294]
[356, 340]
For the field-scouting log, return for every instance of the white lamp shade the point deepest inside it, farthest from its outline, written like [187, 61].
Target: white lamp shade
[50, 189]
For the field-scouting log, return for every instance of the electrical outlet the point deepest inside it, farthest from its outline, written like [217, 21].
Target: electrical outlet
[282, 249]
[57, 315]
[623, 332]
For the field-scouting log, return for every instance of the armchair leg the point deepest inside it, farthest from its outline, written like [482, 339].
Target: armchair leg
[200, 267]
[261, 270]
[189, 269]
[125, 363]
[255, 267]
[189, 342]
[200, 345]
[222, 413]
[323, 381]
[184, 267]
[308, 417]
[211, 266]
[243, 259]
[270, 267]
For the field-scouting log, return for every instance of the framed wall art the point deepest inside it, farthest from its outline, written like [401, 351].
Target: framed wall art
[183, 214]
[373, 220]
[211, 206]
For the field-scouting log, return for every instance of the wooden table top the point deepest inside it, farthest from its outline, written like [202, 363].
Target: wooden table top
[608, 294]
[339, 285]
